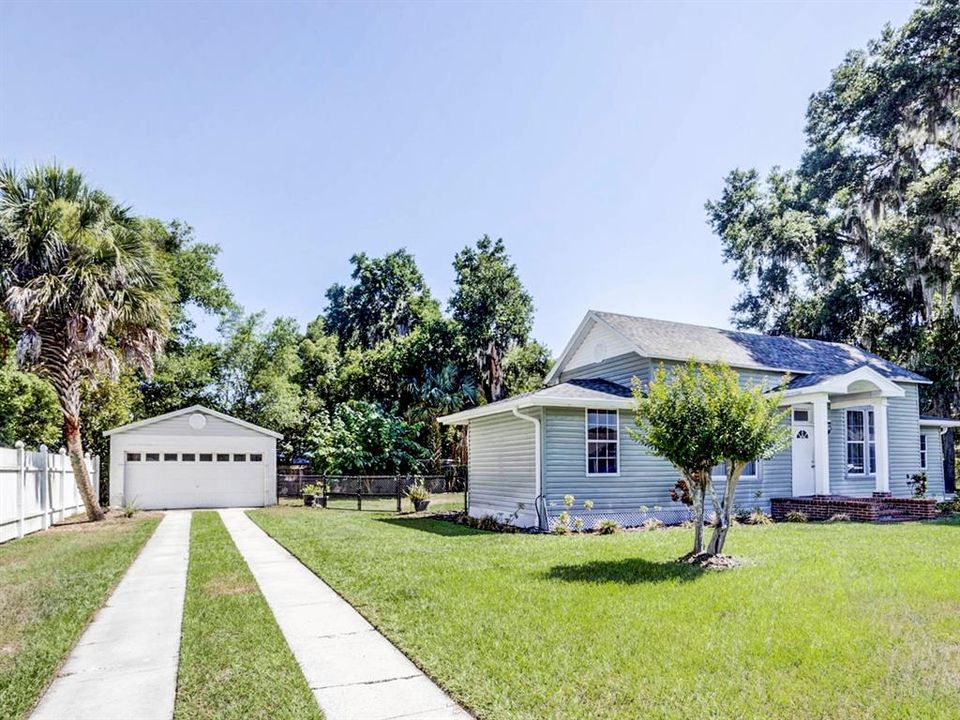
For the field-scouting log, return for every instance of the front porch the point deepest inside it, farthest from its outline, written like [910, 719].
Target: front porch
[879, 508]
[865, 453]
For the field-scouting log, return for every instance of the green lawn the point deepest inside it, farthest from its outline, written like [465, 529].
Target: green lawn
[51, 583]
[823, 621]
[234, 663]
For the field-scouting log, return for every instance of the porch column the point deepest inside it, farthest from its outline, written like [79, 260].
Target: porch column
[821, 446]
[883, 445]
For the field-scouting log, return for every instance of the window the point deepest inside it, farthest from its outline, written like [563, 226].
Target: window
[720, 471]
[240, 458]
[861, 443]
[188, 457]
[152, 457]
[602, 444]
[133, 457]
[923, 452]
[223, 457]
[169, 457]
[256, 457]
[206, 457]
[801, 416]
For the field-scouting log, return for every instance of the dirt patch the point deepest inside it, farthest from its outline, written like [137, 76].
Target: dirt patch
[227, 585]
[711, 562]
[80, 523]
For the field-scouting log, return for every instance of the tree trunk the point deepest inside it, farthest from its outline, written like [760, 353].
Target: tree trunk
[494, 373]
[724, 512]
[698, 495]
[80, 474]
[949, 461]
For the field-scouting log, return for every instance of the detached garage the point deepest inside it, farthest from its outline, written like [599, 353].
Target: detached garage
[192, 458]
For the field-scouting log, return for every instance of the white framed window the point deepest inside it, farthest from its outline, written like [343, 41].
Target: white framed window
[188, 457]
[256, 457]
[923, 451]
[720, 471]
[223, 457]
[861, 443]
[133, 457]
[152, 457]
[169, 457]
[603, 442]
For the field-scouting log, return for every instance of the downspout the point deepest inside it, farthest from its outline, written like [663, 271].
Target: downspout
[538, 498]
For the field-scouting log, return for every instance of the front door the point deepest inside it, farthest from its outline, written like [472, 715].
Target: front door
[803, 458]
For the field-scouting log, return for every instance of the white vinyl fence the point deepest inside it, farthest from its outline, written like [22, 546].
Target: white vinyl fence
[37, 489]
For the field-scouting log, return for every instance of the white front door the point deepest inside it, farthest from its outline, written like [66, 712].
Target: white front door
[804, 482]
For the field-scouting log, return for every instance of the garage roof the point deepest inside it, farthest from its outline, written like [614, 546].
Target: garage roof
[193, 409]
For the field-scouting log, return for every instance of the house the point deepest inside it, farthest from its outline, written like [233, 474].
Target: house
[857, 430]
[191, 458]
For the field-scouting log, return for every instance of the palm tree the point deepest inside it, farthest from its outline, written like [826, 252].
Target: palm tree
[82, 285]
[440, 393]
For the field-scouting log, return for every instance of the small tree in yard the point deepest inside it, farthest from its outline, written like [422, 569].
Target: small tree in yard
[750, 427]
[700, 416]
[677, 420]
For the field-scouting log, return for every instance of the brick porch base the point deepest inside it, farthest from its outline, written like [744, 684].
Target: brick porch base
[865, 509]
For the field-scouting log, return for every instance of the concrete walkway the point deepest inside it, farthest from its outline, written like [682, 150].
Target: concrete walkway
[354, 672]
[125, 663]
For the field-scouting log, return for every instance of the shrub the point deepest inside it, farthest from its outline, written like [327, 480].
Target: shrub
[578, 525]
[608, 527]
[796, 516]
[312, 489]
[759, 517]
[130, 508]
[741, 515]
[561, 529]
[652, 523]
[919, 484]
[950, 505]
[487, 522]
[839, 517]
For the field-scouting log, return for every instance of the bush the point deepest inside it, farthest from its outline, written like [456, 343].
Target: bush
[796, 516]
[950, 505]
[130, 508]
[487, 522]
[652, 523]
[417, 491]
[561, 529]
[919, 484]
[839, 517]
[608, 527]
[759, 517]
[312, 490]
[742, 515]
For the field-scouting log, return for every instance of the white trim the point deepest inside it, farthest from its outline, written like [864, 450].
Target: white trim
[529, 401]
[939, 423]
[924, 450]
[587, 441]
[864, 411]
[184, 411]
[839, 385]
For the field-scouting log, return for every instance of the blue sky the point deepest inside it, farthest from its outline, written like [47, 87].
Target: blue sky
[588, 136]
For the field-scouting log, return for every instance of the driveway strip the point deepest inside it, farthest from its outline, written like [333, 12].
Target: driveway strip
[354, 671]
[125, 663]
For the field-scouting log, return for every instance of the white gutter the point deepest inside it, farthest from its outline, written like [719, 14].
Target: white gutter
[536, 458]
[529, 402]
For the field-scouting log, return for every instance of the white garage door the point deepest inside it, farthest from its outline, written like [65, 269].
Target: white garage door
[175, 479]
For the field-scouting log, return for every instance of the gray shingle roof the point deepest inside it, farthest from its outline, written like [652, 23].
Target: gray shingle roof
[679, 341]
[589, 389]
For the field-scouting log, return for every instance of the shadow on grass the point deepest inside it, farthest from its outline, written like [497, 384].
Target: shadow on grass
[433, 526]
[629, 571]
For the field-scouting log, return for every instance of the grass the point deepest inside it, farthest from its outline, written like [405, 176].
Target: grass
[51, 584]
[822, 621]
[234, 662]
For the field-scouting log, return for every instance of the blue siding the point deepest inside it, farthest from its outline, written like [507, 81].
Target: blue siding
[644, 480]
[620, 369]
[934, 462]
[903, 420]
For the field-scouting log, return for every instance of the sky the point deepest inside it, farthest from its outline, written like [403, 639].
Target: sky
[293, 135]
